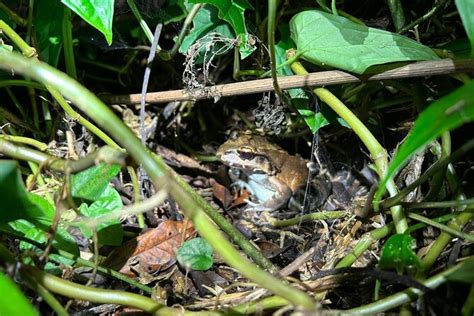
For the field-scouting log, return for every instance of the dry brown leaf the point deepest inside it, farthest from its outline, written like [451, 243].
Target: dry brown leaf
[221, 193]
[151, 251]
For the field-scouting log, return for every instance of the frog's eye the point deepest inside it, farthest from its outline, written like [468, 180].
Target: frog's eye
[246, 155]
[261, 160]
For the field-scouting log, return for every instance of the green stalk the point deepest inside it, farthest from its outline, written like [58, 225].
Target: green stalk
[26, 49]
[157, 170]
[377, 152]
[272, 7]
[81, 119]
[441, 152]
[141, 21]
[317, 216]
[136, 194]
[364, 243]
[46, 295]
[12, 14]
[104, 154]
[25, 140]
[36, 172]
[443, 240]
[406, 296]
[444, 228]
[81, 292]
[185, 28]
[396, 11]
[67, 44]
[21, 83]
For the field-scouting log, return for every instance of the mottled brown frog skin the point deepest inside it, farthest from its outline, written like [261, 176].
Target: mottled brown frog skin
[272, 174]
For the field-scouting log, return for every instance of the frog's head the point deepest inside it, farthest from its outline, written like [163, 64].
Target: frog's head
[249, 153]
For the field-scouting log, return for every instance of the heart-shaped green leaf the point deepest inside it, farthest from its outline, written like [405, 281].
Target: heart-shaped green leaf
[335, 41]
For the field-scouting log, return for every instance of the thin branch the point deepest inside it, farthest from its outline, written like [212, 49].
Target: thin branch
[317, 79]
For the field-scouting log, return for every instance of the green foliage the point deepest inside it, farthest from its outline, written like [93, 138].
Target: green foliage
[12, 300]
[109, 232]
[205, 22]
[466, 11]
[335, 41]
[173, 11]
[98, 13]
[48, 25]
[92, 185]
[92, 182]
[443, 115]
[19, 204]
[195, 254]
[464, 274]
[398, 254]
[232, 11]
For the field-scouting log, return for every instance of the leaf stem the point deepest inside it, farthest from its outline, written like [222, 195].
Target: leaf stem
[81, 292]
[67, 44]
[105, 154]
[406, 296]
[364, 243]
[445, 228]
[141, 21]
[317, 216]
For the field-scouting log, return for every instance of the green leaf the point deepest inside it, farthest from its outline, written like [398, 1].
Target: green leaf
[442, 115]
[62, 239]
[110, 232]
[335, 41]
[195, 254]
[466, 11]
[398, 254]
[91, 183]
[19, 204]
[98, 13]
[232, 11]
[41, 211]
[172, 11]
[12, 300]
[11, 185]
[464, 274]
[206, 22]
[48, 27]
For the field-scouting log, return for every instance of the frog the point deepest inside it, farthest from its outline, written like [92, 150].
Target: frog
[271, 175]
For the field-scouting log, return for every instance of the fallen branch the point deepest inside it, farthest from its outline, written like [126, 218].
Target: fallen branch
[316, 79]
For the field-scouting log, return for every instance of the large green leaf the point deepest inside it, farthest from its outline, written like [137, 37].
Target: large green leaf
[62, 239]
[19, 204]
[12, 300]
[111, 232]
[464, 273]
[98, 13]
[443, 115]
[335, 41]
[11, 185]
[91, 183]
[205, 22]
[48, 28]
[232, 11]
[466, 11]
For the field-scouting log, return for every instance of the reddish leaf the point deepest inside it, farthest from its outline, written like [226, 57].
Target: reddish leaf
[153, 250]
[221, 193]
[240, 198]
